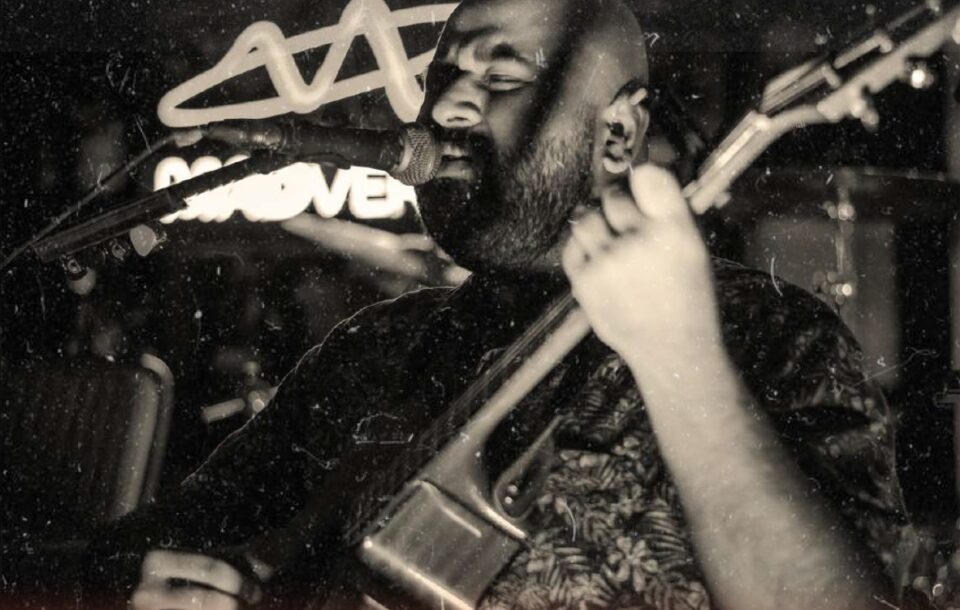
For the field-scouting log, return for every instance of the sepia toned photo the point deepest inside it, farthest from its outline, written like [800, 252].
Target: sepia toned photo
[492, 304]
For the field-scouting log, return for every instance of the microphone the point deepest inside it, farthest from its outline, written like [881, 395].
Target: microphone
[410, 154]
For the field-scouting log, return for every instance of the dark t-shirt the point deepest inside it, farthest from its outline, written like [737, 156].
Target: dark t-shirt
[609, 526]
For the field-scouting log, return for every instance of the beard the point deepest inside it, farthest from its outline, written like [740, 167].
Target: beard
[514, 213]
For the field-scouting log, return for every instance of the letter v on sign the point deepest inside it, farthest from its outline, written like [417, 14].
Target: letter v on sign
[262, 44]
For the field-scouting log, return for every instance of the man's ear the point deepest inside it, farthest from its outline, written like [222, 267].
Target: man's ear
[625, 123]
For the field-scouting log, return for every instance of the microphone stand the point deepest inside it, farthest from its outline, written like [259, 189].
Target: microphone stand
[180, 139]
[153, 206]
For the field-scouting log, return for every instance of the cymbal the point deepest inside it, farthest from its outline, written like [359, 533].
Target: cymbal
[897, 195]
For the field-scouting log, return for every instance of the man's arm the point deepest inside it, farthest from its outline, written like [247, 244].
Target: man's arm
[764, 534]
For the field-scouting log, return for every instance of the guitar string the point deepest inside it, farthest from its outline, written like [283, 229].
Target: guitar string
[429, 438]
[459, 411]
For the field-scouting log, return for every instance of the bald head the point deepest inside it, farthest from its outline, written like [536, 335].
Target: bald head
[584, 50]
[606, 47]
[517, 90]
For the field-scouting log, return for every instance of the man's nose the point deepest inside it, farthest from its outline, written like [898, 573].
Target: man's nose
[462, 104]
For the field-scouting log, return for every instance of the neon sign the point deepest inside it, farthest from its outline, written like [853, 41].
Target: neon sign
[283, 194]
[263, 44]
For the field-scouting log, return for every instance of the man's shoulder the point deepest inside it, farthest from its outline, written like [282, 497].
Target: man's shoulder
[393, 321]
[375, 336]
[407, 309]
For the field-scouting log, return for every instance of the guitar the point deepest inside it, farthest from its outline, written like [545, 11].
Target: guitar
[434, 524]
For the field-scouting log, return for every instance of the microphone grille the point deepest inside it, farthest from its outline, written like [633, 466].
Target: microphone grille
[421, 156]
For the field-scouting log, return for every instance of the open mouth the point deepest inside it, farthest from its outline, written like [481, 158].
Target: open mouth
[456, 161]
[451, 151]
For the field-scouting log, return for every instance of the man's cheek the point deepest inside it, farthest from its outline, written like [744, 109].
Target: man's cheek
[510, 123]
[430, 97]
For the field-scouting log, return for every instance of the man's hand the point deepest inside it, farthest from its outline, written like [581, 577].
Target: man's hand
[642, 275]
[207, 583]
[641, 272]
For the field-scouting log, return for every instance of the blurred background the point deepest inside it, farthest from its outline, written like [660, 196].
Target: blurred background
[145, 365]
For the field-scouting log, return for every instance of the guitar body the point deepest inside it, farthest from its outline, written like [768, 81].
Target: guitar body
[436, 551]
[452, 530]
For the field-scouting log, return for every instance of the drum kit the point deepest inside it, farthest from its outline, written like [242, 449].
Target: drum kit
[849, 235]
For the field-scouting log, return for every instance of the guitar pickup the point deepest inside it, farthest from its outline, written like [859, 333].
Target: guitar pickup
[437, 551]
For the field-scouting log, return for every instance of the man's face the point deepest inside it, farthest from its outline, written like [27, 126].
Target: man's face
[517, 147]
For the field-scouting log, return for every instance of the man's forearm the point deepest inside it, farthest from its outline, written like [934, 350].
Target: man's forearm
[764, 536]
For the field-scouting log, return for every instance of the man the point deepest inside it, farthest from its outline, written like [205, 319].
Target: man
[756, 471]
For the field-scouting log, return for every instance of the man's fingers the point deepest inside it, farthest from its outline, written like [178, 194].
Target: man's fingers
[657, 193]
[592, 233]
[162, 565]
[162, 597]
[573, 258]
[621, 211]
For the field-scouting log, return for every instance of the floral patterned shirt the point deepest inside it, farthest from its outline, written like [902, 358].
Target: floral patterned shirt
[611, 525]
[610, 529]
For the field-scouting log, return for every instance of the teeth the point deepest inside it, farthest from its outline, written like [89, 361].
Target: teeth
[453, 151]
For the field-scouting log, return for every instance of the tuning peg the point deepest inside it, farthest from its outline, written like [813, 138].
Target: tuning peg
[919, 74]
[722, 199]
[864, 110]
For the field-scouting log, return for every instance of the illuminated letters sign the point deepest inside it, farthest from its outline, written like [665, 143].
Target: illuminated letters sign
[262, 44]
[283, 194]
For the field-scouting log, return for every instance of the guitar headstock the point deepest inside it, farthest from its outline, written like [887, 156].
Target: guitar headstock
[840, 84]
[827, 89]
